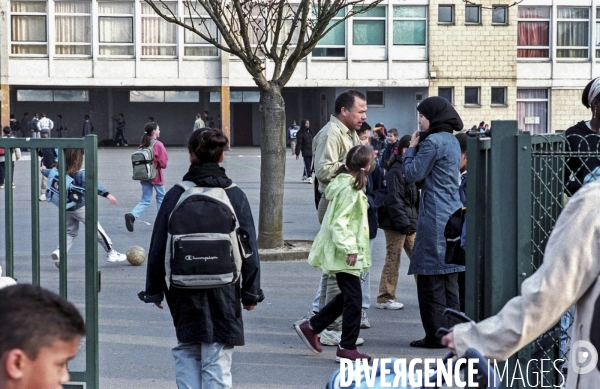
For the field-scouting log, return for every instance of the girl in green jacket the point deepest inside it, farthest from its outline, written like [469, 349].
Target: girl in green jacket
[342, 248]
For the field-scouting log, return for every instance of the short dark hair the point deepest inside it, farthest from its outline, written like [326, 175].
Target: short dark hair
[59, 116]
[121, 115]
[462, 141]
[26, 114]
[207, 144]
[6, 130]
[32, 317]
[346, 100]
[363, 128]
[86, 117]
[12, 115]
[393, 131]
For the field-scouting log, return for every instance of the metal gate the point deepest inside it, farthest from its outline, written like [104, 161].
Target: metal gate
[517, 189]
[88, 377]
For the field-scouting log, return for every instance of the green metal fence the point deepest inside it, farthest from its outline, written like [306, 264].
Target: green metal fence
[89, 377]
[518, 185]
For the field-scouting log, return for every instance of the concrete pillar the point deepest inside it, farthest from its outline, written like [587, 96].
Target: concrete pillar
[225, 112]
[5, 105]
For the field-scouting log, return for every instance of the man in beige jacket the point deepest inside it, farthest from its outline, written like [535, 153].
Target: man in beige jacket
[570, 274]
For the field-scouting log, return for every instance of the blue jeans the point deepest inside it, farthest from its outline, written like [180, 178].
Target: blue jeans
[147, 197]
[203, 365]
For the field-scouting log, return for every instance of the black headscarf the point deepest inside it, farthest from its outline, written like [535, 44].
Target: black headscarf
[441, 115]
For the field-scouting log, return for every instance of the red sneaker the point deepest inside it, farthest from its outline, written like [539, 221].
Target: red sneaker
[309, 336]
[352, 355]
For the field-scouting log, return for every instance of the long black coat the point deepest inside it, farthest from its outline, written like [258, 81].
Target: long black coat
[304, 139]
[204, 315]
[400, 208]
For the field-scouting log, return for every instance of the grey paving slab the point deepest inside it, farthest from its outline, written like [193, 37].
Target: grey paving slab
[136, 338]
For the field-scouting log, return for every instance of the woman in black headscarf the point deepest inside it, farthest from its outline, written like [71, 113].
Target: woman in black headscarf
[436, 163]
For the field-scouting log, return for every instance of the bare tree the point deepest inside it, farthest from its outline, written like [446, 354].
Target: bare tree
[282, 32]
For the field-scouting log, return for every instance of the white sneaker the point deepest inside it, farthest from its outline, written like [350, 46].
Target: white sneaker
[390, 304]
[43, 197]
[364, 320]
[333, 338]
[56, 258]
[126, 145]
[303, 178]
[115, 256]
[309, 180]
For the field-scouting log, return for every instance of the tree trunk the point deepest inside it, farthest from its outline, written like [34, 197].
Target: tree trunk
[272, 170]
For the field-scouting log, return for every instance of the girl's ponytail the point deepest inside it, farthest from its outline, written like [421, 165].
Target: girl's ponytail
[148, 130]
[358, 161]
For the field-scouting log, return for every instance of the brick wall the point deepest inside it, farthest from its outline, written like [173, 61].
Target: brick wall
[481, 56]
[566, 109]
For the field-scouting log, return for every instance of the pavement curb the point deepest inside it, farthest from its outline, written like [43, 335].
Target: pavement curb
[293, 250]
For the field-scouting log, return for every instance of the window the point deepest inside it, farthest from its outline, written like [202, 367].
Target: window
[597, 32]
[498, 96]
[572, 39]
[533, 32]
[375, 98]
[472, 14]
[472, 96]
[159, 37]
[53, 95]
[334, 43]
[447, 93]
[532, 110]
[446, 14]
[500, 15]
[28, 28]
[73, 26]
[410, 25]
[115, 28]
[159, 96]
[193, 44]
[369, 27]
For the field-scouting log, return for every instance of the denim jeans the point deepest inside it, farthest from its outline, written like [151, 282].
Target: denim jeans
[203, 365]
[147, 197]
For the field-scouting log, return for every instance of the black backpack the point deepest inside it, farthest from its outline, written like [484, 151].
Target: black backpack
[207, 245]
[455, 253]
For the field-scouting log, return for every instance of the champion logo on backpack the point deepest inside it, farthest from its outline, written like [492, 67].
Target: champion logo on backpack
[207, 243]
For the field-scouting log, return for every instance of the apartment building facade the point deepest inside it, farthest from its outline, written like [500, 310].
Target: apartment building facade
[491, 60]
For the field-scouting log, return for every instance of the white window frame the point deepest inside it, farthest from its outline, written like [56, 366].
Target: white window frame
[117, 16]
[597, 25]
[206, 45]
[546, 100]
[57, 43]
[505, 91]
[363, 18]
[155, 16]
[451, 88]
[549, 21]
[400, 19]
[344, 46]
[32, 43]
[505, 9]
[478, 23]
[558, 21]
[452, 14]
[478, 104]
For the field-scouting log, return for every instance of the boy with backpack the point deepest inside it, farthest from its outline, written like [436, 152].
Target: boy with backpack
[48, 161]
[207, 277]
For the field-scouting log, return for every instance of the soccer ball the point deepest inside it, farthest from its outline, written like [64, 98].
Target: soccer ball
[136, 255]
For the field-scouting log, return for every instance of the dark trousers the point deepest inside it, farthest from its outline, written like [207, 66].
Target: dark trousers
[120, 135]
[461, 290]
[436, 293]
[307, 166]
[3, 171]
[348, 303]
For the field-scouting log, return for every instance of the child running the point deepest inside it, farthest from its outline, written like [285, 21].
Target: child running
[76, 213]
[342, 248]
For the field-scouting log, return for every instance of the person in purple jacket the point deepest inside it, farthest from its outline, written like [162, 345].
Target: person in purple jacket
[151, 133]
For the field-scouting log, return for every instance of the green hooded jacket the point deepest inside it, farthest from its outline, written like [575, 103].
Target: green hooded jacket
[345, 230]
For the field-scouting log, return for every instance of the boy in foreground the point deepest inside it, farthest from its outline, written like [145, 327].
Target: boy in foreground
[35, 355]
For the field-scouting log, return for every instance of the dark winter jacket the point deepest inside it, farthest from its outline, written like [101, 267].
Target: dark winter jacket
[376, 192]
[48, 157]
[580, 138]
[204, 315]
[386, 152]
[400, 208]
[304, 139]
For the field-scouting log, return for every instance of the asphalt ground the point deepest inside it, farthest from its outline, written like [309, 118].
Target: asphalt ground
[136, 338]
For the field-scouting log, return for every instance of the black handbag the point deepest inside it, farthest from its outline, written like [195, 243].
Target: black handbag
[455, 253]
